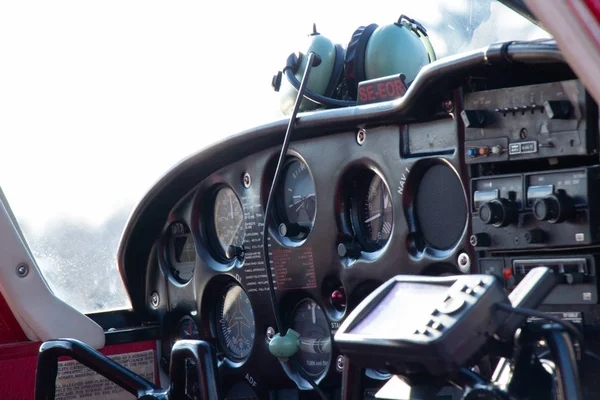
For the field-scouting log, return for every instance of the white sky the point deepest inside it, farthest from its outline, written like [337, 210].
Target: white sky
[98, 99]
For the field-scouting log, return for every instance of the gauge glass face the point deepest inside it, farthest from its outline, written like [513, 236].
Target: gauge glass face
[235, 324]
[373, 217]
[315, 338]
[187, 329]
[181, 252]
[229, 223]
[297, 200]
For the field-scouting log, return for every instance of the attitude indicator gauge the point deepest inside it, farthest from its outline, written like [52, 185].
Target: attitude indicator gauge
[296, 201]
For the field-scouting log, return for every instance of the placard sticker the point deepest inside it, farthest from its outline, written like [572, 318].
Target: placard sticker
[76, 381]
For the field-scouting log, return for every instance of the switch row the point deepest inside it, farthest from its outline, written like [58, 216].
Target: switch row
[484, 151]
[555, 109]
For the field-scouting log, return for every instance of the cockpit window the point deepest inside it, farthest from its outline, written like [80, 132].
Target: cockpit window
[99, 99]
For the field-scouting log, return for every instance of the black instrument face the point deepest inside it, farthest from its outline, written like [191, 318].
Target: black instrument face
[229, 229]
[187, 329]
[181, 252]
[235, 322]
[315, 338]
[241, 391]
[297, 200]
[371, 215]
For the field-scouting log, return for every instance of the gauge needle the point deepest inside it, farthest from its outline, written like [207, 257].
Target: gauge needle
[314, 316]
[231, 205]
[373, 218]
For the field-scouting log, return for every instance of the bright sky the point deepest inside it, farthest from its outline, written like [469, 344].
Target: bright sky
[98, 99]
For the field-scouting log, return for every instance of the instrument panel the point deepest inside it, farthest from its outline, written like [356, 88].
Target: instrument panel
[339, 215]
[444, 194]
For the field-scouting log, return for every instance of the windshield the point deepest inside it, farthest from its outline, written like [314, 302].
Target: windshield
[99, 99]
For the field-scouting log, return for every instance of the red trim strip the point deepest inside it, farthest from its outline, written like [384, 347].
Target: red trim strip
[10, 330]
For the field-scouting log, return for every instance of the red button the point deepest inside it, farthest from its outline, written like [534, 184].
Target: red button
[338, 298]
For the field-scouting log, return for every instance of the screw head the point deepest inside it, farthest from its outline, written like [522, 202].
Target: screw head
[154, 299]
[464, 263]
[339, 363]
[247, 180]
[270, 333]
[361, 136]
[448, 106]
[523, 133]
[22, 270]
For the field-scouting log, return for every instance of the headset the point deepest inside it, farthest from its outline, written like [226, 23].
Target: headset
[373, 52]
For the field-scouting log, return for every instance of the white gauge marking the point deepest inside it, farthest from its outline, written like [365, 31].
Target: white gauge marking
[314, 315]
[386, 201]
[387, 227]
[373, 218]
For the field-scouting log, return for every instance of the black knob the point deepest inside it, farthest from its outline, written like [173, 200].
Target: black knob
[351, 250]
[498, 212]
[558, 109]
[480, 240]
[554, 208]
[235, 252]
[473, 118]
[290, 230]
[534, 236]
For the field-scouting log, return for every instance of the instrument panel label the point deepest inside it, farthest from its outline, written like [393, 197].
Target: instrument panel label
[76, 381]
[294, 268]
[381, 89]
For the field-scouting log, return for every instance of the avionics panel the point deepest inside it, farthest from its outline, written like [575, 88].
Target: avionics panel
[536, 210]
[528, 122]
[576, 275]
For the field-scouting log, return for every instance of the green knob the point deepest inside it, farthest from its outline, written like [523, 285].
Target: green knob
[283, 347]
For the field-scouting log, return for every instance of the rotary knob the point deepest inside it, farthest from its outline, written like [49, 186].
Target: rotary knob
[498, 212]
[554, 208]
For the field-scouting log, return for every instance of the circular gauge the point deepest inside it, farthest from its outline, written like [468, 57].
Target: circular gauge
[235, 323]
[315, 338]
[181, 252]
[296, 201]
[187, 329]
[229, 229]
[372, 218]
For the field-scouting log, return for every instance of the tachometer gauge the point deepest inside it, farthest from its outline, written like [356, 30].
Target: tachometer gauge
[235, 323]
[372, 218]
[315, 338]
[229, 229]
[181, 252]
[187, 329]
[296, 201]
